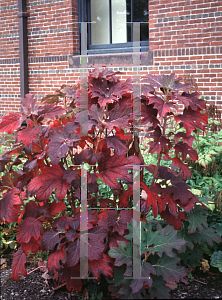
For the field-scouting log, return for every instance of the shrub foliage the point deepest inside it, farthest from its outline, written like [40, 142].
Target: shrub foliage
[94, 126]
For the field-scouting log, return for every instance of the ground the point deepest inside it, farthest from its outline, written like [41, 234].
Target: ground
[201, 286]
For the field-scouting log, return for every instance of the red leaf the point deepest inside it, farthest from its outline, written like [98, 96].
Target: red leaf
[50, 239]
[54, 259]
[186, 150]
[32, 246]
[114, 238]
[124, 199]
[51, 110]
[18, 264]
[118, 167]
[28, 135]
[187, 139]
[28, 104]
[116, 144]
[51, 178]
[120, 225]
[56, 207]
[31, 227]
[121, 134]
[97, 238]
[192, 120]
[10, 123]
[149, 115]
[171, 204]
[172, 220]
[119, 116]
[151, 199]
[180, 191]
[102, 266]
[177, 163]
[162, 106]
[184, 170]
[192, 100]
[159, 142]
[10, 206]
[68, 274]
[112, 221]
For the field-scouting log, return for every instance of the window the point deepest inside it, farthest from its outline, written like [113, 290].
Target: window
[110, 24]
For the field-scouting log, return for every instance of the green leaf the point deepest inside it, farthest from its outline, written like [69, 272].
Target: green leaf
[127, 292]
[158, 289]
[137, 284]
[164, 241]
[122, 254]
[118, 275]
[216, 260]
[189, 238]
[197, 220]
[209, 235]
[191, 257]
[218, 228]
[167, 267]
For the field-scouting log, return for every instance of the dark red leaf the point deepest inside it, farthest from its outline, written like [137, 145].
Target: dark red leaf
[120, 225]
[162, 106]
[192, 100]
[167, 201]
[10, 123]
[49, 111]
[49, 239]
[10, 206]
[51, 178]
[118, 167]
[31, 227]
[32, 246]
[56, 207]
[97, 239]
[68, 274]
[192, 120]
[124, 199]
[150, 199]
[186, 150]
[102, 266]
[149, 114]
[159, 142]
[116, 144]
[119, 117]
[187, 139]
[28, 104]
[54, 259]
[180, 191]
[114, 238]
[184, 170]
[28, 135]
[172, 220]
[18, 264]
[73, 253]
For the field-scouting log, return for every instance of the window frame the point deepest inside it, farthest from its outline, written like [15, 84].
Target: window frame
[84, 16]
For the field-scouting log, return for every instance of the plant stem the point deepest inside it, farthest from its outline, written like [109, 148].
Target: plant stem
[160, 154]
[157, 167]
[100, 134]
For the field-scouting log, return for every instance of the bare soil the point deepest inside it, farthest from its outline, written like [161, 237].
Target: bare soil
[34, 286]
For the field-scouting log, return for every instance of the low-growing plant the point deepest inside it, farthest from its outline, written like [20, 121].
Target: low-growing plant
[93, 129]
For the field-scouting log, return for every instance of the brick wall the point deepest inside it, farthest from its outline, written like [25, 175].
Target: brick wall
[185, 38]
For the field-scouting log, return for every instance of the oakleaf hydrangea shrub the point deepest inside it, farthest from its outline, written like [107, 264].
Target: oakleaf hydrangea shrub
[93, 127]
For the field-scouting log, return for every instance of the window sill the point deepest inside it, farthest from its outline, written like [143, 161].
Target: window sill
[112, 59]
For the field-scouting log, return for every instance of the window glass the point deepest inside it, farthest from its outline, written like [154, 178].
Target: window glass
[99, 13]
[110, 22]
